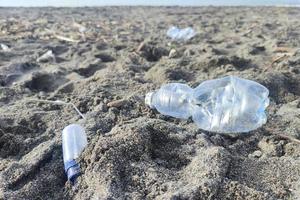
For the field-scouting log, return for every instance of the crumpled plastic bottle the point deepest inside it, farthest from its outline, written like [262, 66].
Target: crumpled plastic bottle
[74, 140]
[225, 105]
[181, 34]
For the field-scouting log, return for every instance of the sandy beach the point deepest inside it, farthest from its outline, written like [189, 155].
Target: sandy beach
[104, 60]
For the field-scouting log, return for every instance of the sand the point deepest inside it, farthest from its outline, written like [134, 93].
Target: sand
[104, 60]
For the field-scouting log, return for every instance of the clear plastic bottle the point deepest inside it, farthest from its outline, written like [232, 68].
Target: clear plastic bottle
[226, 105]
[74, 140]
[181, 34]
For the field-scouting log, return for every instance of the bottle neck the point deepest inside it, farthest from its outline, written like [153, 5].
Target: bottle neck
[72, 170]
[148, 99]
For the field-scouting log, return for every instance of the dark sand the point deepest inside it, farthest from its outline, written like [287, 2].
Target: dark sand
[133, 151]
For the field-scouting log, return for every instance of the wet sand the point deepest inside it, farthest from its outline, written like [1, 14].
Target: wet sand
[102, 55]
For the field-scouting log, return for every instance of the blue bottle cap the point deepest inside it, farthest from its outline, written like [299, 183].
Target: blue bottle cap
[72, 170]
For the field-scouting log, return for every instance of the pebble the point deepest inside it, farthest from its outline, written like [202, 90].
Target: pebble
[117, 103]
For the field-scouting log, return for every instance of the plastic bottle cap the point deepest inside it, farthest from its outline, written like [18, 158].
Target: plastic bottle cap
[72, 170]
[148, 99]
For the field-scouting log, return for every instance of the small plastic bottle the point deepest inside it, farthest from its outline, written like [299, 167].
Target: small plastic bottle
[74, 140]
[181, 34]
[226, 105]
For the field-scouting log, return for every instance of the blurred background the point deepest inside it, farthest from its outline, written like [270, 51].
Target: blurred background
[78, 3]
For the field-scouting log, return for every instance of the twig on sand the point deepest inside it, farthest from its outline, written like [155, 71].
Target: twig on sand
[58, 102]
[279, 58]
[140, 47]
[60, 37]
[286, 137]
[117, 103]
[289, 138]
[285, 53]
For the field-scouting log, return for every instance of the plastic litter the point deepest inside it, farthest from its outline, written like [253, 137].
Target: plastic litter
[48, 56]
[225, 105]
[181, 34]
[4, 47]
[74, 140]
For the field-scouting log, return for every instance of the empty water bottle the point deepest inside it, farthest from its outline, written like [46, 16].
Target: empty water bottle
[226, 105]
[181, 34]
[74, 140]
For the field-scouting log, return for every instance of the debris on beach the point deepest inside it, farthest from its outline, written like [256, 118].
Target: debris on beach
[74, 141]
[67, 39]
[117, 103]
[140, 47]
[58, 102]
[231, 110]
[4, 47]
[173, 53]
[185, 34]
[135, 152]
[46, 57]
